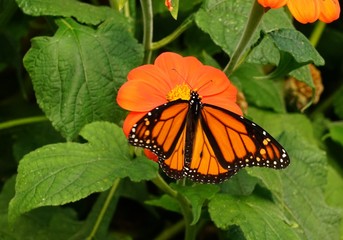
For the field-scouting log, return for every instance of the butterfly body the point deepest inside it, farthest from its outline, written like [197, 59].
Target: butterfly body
[204, 142]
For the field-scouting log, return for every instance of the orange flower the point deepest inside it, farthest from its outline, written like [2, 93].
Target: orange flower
[172, 77]
[308, 11]
[330, 10]
[272, 3]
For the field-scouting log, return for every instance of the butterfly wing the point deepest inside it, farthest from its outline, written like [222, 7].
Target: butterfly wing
[192, 147]
[204, 166]
[173, 166]
[160, 129]
[237, 142]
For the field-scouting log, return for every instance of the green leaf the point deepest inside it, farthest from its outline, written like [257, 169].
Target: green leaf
[295, 51]
[338, 103]
[300, 187]
[197, 194]
[77, 72]
[166, 202]
[334, 188]
[278, 123]
[226, 29]
[259, 92]
[83, 12]
[334, 192]
[46, 223]
[257, 218]
[297, 45]
[303, 74]
[242, 184]
[225, 21]
[66, 172]
[174, 8]
[336, 132]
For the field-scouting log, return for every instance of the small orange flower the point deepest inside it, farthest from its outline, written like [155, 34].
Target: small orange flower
[172, 77]
[169, 4]
[150, 155]
[308, 11]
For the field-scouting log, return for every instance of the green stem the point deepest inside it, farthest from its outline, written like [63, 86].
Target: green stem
[161, 184]
[22, 121]
[104, 209]
[113, 4]
[256, 14]
[127, 9]
[317, 33]
[186, 210]
[170, 232]
[147, 29]
[190, 231]
[327, 103]
[168, 39]
[120, 6]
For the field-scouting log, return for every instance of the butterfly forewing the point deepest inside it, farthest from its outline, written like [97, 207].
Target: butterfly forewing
[238, 142]
[160, 129]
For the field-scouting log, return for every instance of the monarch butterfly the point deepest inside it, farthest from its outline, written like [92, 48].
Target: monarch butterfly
[204, 142]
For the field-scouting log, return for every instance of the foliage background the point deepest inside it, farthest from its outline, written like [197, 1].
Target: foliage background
[66, 170]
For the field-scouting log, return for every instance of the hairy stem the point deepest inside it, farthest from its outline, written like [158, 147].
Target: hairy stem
[317, 33]
[22, 121]
[190, 230]
[168, 39]
[147, 29]
[171, 231]
[256, 14]
[104, 209]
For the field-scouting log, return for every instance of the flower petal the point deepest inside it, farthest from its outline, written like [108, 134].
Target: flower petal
[226, 100]
[169, 4]
[148, 85]
[304, 11]
[272, 3]
[173, 66]
[329, 10]
[131, 119]
[209, 81]
[150, 155]
[145, 89]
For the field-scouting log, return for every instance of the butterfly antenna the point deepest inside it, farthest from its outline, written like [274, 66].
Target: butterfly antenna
[206, 83]
[191, 87]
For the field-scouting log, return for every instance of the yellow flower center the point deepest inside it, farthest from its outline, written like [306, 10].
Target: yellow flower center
[181, 91]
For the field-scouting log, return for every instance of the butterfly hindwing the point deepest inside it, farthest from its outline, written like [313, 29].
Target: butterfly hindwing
[204, 166]
[174, 165]
[201, 165]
